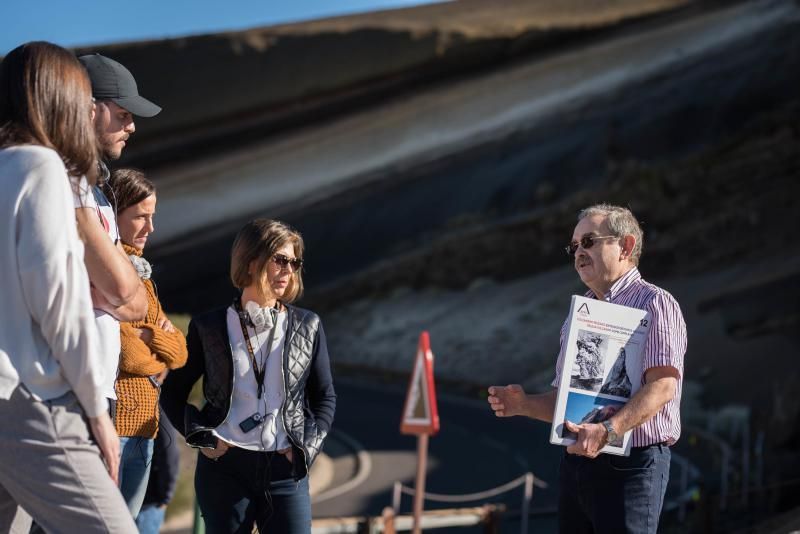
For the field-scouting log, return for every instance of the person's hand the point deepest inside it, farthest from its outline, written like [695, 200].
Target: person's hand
[507, 401]
[145, 334]
[106, 437]
[165, 324]
[216, 453]
[591, 438]
[162, 376]
[287, 452]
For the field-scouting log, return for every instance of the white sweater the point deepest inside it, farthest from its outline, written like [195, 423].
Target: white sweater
[48, 336]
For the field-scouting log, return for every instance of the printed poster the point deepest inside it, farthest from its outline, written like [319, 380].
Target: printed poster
[604, 350]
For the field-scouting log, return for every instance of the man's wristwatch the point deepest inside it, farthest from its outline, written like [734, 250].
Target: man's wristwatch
[612, 436]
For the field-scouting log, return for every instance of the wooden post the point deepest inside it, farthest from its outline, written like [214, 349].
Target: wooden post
[491, 519]
[388, 520]
[419, 493]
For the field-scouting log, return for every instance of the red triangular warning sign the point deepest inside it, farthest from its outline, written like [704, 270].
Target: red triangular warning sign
[420, 412]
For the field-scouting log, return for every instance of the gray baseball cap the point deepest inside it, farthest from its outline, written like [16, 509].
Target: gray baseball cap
[112, 81]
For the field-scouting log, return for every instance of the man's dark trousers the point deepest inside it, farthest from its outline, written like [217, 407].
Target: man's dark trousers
[613, 494]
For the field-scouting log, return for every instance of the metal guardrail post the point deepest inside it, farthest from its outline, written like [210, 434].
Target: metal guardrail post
[745, 461]
[528, 480]
[684, 486]
[396, 496]
[723, 491]
[726, 453]
[526, 503]
[758, 450]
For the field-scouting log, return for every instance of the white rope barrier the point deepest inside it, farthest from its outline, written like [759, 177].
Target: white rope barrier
[493, 492]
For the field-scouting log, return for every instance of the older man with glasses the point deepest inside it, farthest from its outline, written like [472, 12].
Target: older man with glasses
[615, 493]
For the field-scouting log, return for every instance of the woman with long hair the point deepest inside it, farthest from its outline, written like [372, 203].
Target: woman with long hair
[269, 397]
[148, 347]
[51, 461]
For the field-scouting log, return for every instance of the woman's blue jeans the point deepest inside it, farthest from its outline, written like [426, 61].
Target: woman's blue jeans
[243, 488]
[150, 519]
[134, 470]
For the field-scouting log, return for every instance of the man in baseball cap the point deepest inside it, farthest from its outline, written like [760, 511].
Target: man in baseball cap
[117, 292]
[118, 100]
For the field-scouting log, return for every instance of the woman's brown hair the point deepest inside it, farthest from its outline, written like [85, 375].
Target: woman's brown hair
[46, 99]
[127, 187]
[257, 242]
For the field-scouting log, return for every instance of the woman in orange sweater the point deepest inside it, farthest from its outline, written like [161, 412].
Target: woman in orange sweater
[149, 347]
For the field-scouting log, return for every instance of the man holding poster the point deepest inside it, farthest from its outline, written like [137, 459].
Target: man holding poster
[608, 493]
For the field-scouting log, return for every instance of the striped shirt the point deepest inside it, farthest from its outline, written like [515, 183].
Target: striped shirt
[665, 347]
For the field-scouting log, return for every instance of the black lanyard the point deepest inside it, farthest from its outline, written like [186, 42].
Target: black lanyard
[259, 373]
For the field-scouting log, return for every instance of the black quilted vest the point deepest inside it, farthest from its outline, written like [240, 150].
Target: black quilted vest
[310, 398]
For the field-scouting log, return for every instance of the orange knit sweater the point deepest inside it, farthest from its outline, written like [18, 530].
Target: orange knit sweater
[137, 396]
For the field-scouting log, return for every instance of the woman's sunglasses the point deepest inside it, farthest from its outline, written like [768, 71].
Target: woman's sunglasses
[586, 242]
[293, 264]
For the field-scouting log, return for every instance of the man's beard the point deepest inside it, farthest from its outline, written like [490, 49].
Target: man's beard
[107, 145]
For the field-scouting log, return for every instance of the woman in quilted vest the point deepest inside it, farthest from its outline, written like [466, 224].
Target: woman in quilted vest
[149, 347]
[269, 397]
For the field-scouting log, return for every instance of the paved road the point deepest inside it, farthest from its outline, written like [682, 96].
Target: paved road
[473, 452]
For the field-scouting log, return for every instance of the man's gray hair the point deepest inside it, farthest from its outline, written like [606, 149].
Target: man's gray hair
[621, 222]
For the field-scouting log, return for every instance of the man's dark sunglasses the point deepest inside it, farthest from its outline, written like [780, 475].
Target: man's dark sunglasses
[586, 242]
[283, 262]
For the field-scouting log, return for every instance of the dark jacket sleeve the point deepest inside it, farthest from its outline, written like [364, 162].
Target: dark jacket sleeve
[179, 383]
[319, 387]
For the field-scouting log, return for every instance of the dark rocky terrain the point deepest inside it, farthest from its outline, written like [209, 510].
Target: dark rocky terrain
[719, 234]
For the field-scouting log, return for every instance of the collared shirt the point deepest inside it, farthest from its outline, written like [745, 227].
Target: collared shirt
[269, 434]
[665, 347]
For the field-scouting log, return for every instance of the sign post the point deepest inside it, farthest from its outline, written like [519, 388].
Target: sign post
[421, 417]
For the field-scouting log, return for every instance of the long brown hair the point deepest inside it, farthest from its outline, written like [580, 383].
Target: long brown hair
[46, 99]
[258, 241]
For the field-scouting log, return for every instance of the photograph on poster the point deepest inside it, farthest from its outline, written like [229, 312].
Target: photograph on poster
[583, 408]
[589, 367]
[617, 382]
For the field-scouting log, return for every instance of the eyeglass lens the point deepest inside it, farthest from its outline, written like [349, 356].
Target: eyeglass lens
[283, 262]
[586, 242]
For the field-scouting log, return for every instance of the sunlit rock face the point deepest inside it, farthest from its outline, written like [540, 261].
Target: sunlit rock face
[618, 382]
[268, 79]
